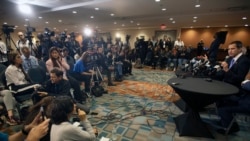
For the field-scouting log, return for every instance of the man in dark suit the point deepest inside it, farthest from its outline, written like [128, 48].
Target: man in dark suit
[235, 69]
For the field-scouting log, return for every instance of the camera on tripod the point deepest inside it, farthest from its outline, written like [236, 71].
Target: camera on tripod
[29, 31]
[46, 35]
[7, 29]
[93, 58]
[63, 36]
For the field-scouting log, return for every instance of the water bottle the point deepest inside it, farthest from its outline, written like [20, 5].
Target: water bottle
[113, 134]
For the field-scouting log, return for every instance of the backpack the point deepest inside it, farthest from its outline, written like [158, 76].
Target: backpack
[97, 91]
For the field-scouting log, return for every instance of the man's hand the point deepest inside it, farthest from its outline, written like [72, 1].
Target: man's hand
[81, 115]
[39, 131]
[224, 66]
[42, 93]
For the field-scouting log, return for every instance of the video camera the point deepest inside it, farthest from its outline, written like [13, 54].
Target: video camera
[29, 31]
[63, 36]
[46, 35]
[7, 29]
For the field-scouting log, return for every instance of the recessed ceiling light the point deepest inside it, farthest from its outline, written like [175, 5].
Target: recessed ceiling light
[195, 17]
[112, 14]
[54, 28]
[171, 19]
[26, 19]
[197, 5]
[173, 22]
[157, 0]
[115, 22]
[96, 8]
[74, 12]
[191, 26]
[25, 25]
[5, 23]
[40, 17]
[47, 22]
[59, 21]
[226, 25]
[246, 24]
[92, 17]
[138, 24]
[131, 21]
[65, 29]
[208, 26]
[244, 18]
[96, 27]
[194, 21]
[123, 24]
[16, 26]
[164, 9]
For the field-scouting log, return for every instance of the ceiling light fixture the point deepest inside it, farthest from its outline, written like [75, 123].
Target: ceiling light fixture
[5, 23]
[115, 22]
[138, 24]
[164, 9]
[195, 17]
[171, 19]
[197, 4]
[92, 17]
[26, 9]
[194, 21]
[59, 21]
[226, 25]
[47, 22]
[244, 18]
[208, 26]
[40, 17]
[96, 8]
[74, 12]
[112, 14]
[131, 21]
[173, 22]
[157, 0]
[246, 25]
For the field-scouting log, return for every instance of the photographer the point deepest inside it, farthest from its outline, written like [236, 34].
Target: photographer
[103, 62]
[26, 41]
[72, 44]
[82, 72]
[3, 53]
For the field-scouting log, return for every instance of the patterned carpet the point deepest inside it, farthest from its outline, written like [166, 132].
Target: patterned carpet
[140, 109]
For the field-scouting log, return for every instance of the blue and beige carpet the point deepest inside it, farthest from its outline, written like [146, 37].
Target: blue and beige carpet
[140, 109]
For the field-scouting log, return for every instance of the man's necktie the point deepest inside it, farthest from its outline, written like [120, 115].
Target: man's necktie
[231, 63]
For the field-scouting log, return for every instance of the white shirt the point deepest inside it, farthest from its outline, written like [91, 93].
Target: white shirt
[3, 52]
[15, 76]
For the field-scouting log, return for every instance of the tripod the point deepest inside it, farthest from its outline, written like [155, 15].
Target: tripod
[94, 81]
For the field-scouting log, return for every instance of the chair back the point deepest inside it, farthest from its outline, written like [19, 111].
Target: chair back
[42, 65]
[2, 68]
[37, 75]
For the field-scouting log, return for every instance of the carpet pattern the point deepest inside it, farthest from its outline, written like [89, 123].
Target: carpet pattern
[140, 109]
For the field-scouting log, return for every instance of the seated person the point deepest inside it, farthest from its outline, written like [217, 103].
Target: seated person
[82, 72]
[29, 133]
[235, 104]
[28, 60]
[56, 86]
[16, 78]
[61, 109]
[9, 102]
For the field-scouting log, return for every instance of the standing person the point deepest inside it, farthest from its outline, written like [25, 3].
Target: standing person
[29, 61]
[3, 53]
[178, 44]
[200, 47]
[61, 110]
[23, 42]
[213, 50]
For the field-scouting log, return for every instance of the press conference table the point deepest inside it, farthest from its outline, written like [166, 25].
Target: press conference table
[198, 93]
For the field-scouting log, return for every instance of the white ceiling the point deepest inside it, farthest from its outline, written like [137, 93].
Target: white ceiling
[129, 14]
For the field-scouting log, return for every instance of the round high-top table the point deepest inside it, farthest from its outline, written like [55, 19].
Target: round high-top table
[198, 93]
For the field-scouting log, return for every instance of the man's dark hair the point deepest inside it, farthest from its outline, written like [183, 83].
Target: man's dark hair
[57, 72]
[65, 49]
[237, 43]
[60, 107]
